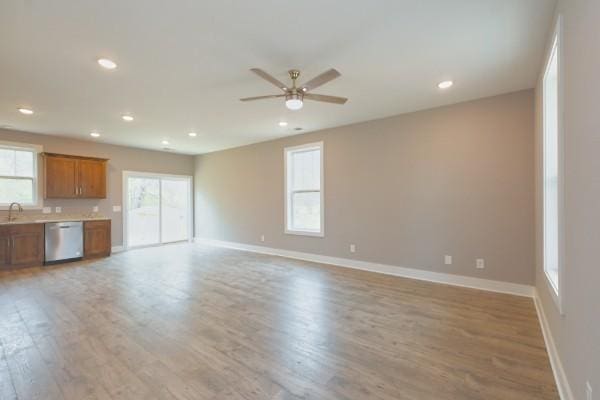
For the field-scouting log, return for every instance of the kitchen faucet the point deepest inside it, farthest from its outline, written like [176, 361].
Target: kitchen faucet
[10, 210]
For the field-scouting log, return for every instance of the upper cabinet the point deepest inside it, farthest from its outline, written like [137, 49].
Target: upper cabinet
[67, 177]
[92, 178]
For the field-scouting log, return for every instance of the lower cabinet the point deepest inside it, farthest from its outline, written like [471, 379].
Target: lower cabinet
[4, 248]
[21, 245]
[96, 239]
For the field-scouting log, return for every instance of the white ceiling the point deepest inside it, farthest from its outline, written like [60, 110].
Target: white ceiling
[183, 64]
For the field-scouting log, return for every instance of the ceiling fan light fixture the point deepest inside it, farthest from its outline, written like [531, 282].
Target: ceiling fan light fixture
[293, 101]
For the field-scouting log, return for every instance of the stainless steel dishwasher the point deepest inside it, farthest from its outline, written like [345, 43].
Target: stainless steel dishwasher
[64, 241]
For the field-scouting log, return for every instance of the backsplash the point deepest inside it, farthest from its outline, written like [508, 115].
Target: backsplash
[70, 206]
[22, 218]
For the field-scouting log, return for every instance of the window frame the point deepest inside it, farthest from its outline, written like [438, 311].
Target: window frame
[36, 204]
[288, 194]
[556, 291]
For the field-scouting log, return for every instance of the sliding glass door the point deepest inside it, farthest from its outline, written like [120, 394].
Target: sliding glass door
[175, 209]
[158, 209]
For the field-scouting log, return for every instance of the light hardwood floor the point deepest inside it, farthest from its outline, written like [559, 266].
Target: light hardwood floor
[193, 322]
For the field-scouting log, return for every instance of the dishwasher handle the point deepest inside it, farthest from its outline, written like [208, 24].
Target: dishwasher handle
[64, 225]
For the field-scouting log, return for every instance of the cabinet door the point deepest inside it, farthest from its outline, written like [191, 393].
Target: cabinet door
[96, 241]
[92, 179]
[4, 248]
[60, 177]
[27, 245]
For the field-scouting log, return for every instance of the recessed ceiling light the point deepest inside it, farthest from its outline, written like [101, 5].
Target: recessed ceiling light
[165, 142]
[94, 134]
[445, 84]
[106, 63]
[127, 118]
[283, 123]
[25, 111]
[192, 134]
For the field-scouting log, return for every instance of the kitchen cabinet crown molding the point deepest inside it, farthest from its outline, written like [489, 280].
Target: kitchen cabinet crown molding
[46, 154]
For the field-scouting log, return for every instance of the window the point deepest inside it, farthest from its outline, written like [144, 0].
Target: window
[18, 174]
[304, 189]
[551, 167]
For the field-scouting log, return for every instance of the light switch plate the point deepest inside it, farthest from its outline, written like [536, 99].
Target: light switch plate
[58, 210]
[447, 260]
[95, 209]
[352, 248]
[116, 208]
[480, 263]
[262, 238]
[46, 210]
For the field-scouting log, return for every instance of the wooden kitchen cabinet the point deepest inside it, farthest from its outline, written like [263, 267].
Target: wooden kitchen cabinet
[60, 177]
[21, 245]
[4, 247]
[68, 177]
[96, 239]
[92, 178]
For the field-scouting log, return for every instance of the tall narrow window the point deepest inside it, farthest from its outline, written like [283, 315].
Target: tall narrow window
[304, 191]
[18, 174]
[551, 160]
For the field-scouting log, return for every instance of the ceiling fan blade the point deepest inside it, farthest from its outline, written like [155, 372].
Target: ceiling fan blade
[325, 98]
[321, 79]
[269, 78]
[272, 96]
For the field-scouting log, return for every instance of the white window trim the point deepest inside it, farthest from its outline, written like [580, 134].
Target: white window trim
[37, 187]
[286, 197]
[556, 294]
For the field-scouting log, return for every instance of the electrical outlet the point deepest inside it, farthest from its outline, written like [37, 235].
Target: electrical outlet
[588, 391]
[95, 209]
[116, 208]
[480, 263]
[262, 238]
[47, 210]
[447, 260]
[58, 210]
[352, 248]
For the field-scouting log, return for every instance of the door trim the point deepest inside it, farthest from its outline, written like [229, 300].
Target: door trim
[124, 208]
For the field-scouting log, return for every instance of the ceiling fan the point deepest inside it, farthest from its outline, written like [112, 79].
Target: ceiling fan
[294, 95]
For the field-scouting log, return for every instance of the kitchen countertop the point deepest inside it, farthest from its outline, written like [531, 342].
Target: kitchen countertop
[42, 219]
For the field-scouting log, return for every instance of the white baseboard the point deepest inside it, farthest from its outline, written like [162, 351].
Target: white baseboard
[117, 249]
[564, 389]
[420, 274]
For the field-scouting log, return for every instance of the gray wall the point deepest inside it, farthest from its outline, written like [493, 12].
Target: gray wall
[406, 190]
[121, 159]
[577, 332]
